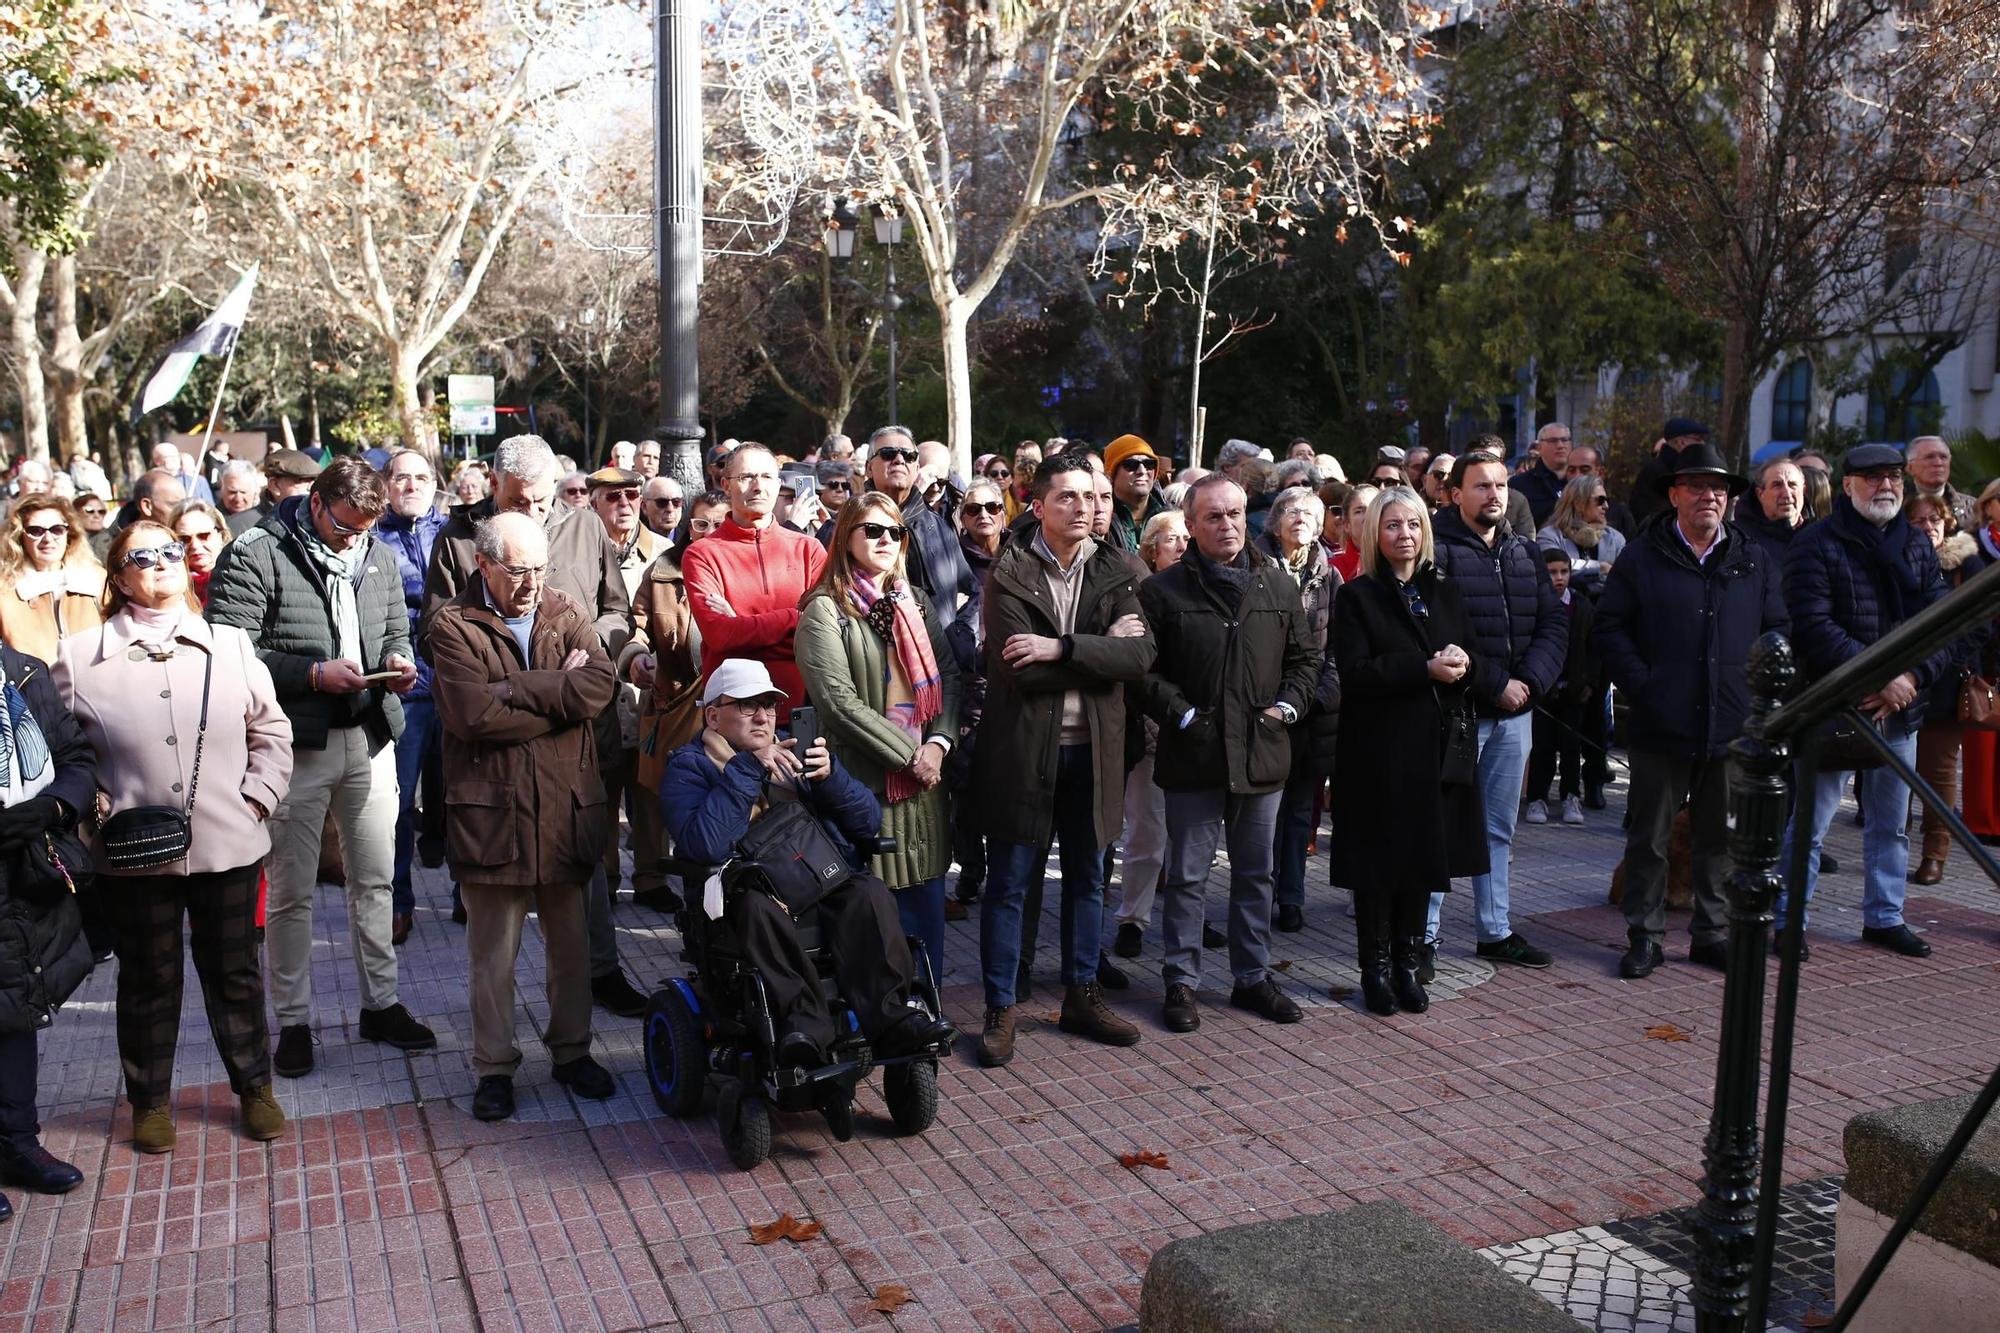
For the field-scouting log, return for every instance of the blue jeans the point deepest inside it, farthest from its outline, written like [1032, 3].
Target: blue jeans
[920, 910]
[1504, 743]
[1885, 846]
[422, 733]
[1012, 866]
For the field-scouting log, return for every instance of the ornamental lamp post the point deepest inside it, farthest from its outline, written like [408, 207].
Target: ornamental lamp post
[843, 226]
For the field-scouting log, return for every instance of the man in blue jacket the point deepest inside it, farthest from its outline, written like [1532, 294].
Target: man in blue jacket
[1682, 607]
[410, 530]
[1520, 639]
[1849, 580]
[714, 786]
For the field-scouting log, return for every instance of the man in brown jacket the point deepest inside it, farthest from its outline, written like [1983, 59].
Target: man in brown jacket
[520, 674]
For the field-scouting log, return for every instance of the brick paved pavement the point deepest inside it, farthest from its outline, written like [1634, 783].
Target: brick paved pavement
[1524, 1104]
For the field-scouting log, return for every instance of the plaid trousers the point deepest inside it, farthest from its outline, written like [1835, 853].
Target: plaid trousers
[221, 912]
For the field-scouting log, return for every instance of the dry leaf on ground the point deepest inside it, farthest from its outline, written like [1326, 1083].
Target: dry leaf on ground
[1816, 1319]
[785, 1228]
[1666, 1032]
[1282, 965]
[891, 1297]
[1132, 1161]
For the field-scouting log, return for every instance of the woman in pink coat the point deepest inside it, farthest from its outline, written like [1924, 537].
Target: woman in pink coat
[141, 685]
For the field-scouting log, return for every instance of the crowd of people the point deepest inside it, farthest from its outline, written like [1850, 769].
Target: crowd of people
[249, 679]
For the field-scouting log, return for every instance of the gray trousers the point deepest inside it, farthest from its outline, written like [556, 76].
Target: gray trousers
[599, 934]
[1659, 785]
[1197, 822]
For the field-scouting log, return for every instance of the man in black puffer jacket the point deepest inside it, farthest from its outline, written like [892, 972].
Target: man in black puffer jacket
[1679, 614]
[43, 954]
[1520, 636]
[1850, 579]
[1234, 674]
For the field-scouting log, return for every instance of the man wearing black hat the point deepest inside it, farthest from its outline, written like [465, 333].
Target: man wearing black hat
[1680, 610]
[1648, 490]
[1849, 580]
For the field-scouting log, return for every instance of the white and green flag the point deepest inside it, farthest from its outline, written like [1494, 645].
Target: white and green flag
[214, 336]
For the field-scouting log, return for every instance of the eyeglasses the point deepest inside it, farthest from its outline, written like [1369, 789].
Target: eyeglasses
[875, 532]
[625, 493]
[971, 507]
[1600, 499]
[96, 512]
[45, 530]
[576, 490]
[152, 557]
[1138, 463]
[752, 707]
[1881, 478]
[526, 571]
[666, 501]
[340, 527]
[892, 454]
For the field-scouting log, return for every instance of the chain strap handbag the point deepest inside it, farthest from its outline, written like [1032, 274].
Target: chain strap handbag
[1978, 703]
[155, 835]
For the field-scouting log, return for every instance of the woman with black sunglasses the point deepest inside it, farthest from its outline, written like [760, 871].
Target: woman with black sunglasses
[49, 580]
[156, 670]
[1407, 813]
[982, 525]
[885, 682]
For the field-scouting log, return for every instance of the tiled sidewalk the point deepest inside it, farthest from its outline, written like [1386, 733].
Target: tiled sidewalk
[1524, 1104]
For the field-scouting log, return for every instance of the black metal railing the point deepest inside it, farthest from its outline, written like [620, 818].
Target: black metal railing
[1736, 1221]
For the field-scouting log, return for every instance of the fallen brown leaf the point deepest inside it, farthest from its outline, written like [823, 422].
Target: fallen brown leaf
[1053, 1016]
[890, 1297]
[1132, 1161]
[1816, 1319]
[1282, 965]
[1340, 992]
[1666, 1032]
[1027, 1120]
[1569, 985]
[785, 1228]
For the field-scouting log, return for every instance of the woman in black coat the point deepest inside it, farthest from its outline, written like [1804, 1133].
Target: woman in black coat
[1407, 814]
[48, 777]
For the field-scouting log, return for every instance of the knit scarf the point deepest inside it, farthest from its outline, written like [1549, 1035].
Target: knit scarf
[339, 569]
[894, 616]
[1882, 548]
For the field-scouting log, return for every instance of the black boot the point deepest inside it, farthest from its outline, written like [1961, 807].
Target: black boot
[1371, 930]
[1406, 938]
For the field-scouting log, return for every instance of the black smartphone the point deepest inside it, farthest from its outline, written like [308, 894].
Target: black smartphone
[805, 729]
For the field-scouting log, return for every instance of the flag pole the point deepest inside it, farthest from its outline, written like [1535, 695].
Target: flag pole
[208, 433]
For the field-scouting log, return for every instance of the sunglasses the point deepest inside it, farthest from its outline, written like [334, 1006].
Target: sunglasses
[1000, 474]
[626, 493]
[667, 501]
[838, 486]
[1139, 463]
[894, 455]
[971, 507]
[92, 513]
[576, 490]
[45, 530]
[875, 532]
[152, 557]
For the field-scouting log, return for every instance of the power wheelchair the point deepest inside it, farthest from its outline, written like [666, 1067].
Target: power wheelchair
[716, 1024]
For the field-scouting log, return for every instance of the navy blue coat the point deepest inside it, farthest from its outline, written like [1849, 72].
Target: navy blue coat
[708, 809]
[1773, 538]
[1542, 487]
[1840, 604]
[1675, 636]
[1519, 631]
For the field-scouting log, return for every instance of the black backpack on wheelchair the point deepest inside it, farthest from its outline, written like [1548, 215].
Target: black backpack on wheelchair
[716, 1022]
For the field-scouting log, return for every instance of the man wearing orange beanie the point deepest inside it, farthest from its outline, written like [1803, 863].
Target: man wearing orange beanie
[1134, 469]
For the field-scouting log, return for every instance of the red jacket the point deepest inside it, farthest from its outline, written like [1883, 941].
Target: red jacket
[762, 574]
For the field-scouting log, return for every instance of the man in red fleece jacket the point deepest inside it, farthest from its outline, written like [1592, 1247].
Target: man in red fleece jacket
[745, 579]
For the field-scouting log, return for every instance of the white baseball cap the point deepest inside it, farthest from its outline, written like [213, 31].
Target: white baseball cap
[740, 678]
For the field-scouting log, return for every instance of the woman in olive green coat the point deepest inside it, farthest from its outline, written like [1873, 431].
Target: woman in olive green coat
[879, 672]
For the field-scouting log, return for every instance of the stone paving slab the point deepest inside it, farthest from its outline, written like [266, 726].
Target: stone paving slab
[1525, 1105]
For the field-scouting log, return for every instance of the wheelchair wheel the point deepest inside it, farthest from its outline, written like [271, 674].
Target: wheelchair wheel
[747, 1132]
[676, 1053]
[911, 1090]
[839, 1118]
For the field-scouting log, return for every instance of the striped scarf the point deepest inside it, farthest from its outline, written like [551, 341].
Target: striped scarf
[894, 616]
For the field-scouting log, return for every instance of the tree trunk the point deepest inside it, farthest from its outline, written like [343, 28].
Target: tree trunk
[27, 343]
[418, 427]
[954, 333]
[66, 367]
[1732, 428]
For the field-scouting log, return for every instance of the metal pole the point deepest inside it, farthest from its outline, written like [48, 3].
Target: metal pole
[1726, 1219]
[677, 236]
[892, 303]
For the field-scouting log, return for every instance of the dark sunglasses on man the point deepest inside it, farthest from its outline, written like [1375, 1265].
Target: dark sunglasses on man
[891, 454]
[1138, 463]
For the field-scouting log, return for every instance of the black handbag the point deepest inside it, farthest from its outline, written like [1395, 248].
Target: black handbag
[155, 835]
[792, 852]
[1458, 759]
[1842, 747]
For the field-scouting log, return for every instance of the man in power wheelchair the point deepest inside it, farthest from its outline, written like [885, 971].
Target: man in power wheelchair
[791, 901]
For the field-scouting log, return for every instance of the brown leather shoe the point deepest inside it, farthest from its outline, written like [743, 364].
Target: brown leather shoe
[399, 931]
[1085, 1013]
[996, 1043]
[1929, 871]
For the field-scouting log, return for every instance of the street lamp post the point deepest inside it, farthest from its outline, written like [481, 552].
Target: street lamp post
[677, 233]
[843, 227]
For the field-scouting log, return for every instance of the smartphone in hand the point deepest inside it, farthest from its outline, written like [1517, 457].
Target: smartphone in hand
[805, 729]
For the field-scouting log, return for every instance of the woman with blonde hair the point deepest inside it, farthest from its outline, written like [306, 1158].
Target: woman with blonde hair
[885, 685]
[50, 583]
[1407, 812]
[204, 532]
[1580, 528]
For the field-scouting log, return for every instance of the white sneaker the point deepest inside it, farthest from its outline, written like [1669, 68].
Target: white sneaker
[1572, 810]
[1538, 812]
